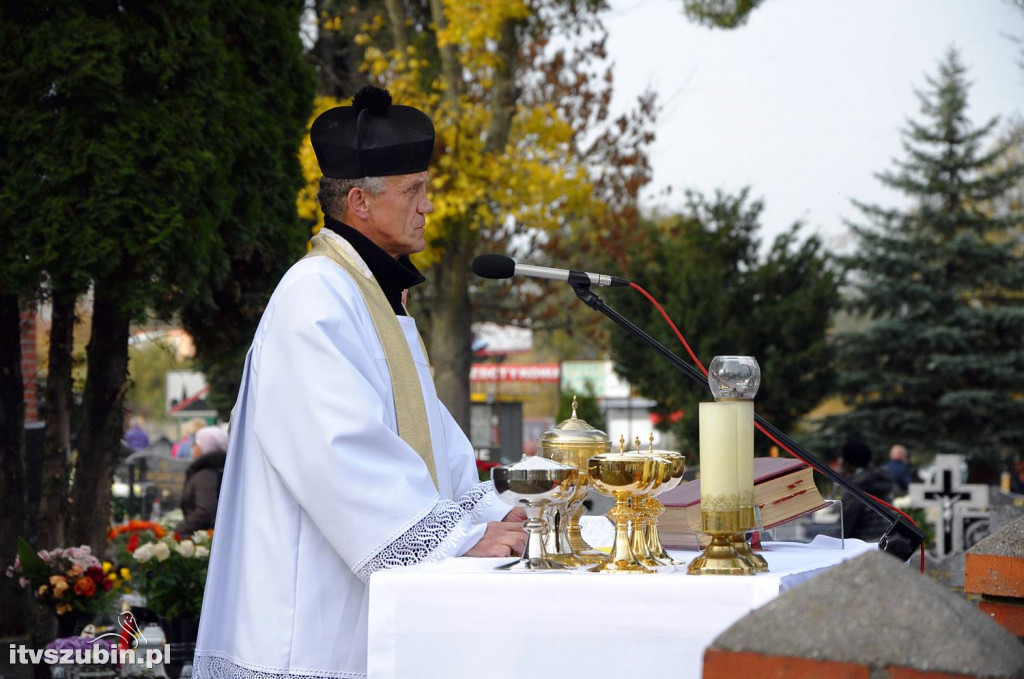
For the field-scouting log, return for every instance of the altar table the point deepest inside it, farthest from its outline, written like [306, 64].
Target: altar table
[461, 619]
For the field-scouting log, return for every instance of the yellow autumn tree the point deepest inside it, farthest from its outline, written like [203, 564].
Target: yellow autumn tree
[526, 152]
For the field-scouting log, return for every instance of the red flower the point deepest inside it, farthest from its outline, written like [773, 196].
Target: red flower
[96, 573]
[133, 542]
[85, 586]
[107, 584]
[484, 466]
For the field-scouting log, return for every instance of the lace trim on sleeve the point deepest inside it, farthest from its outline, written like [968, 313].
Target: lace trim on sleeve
[432, 538]
[210, 666]
[477, 499]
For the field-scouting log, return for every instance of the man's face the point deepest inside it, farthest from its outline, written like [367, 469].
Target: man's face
[398, 216]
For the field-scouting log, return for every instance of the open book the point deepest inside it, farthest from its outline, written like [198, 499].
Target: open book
[783, 490]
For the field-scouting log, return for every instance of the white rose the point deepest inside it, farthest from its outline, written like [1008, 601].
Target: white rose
[144, 553]
[161, 551]
[202, 552]
[186, 548]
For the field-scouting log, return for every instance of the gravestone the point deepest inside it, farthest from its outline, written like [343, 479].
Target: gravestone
[161, 446]
[155, 475]
[955, 504]
[869, 616]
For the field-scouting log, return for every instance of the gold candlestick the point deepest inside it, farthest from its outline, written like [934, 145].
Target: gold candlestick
[719, 495]
[734, 381]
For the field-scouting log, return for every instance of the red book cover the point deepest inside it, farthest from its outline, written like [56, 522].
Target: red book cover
[765, 469]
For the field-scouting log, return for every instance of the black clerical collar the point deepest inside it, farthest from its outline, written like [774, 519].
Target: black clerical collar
[393, 275]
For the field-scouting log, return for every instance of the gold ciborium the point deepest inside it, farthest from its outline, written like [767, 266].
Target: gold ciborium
[622, 476]
[652, 507]
[534, 488]
[572, 443]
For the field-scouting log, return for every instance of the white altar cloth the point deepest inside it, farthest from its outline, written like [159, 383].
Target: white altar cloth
[459, 618]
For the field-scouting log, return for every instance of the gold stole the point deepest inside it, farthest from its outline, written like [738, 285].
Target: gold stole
[410, 407]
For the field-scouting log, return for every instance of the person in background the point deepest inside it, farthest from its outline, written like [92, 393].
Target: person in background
[202, 480]
[183, 448]
[136, 437]
[899, 469]
[1017, 480]
[859, 520]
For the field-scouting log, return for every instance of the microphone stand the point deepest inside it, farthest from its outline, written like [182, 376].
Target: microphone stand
[902, 538]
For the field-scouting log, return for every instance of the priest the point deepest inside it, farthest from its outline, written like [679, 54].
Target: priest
[342, 460]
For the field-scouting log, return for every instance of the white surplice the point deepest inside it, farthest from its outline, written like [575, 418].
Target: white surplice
[319, 491]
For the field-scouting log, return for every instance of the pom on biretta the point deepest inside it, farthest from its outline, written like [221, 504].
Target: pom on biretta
[372, 138]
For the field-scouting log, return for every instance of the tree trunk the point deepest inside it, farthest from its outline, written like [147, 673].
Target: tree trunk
[396, 19]
[13, 599]
[450, 69]
[503, 93]
[451, 331]
[53, 501]
[451, 336]
[326, 58]
[103, 418]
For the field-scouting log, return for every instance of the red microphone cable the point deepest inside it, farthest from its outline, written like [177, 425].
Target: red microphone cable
[761, 429]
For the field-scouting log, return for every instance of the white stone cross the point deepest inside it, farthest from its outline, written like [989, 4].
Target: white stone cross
[952, 499]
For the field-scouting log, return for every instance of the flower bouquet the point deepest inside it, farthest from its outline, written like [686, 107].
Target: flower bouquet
[71, 582]
[124, 539]
[172, 573]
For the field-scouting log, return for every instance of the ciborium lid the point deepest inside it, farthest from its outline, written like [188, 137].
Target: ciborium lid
[574, 433]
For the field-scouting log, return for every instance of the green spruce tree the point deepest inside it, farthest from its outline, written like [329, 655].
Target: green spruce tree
[941, 367]
[148, 155]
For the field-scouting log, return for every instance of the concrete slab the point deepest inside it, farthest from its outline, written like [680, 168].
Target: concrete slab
[876, 611]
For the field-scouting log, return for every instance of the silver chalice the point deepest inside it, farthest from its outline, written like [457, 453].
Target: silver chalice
[534, 487]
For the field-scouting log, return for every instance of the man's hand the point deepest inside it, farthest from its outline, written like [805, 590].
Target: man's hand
[517, 515]
[502, 538]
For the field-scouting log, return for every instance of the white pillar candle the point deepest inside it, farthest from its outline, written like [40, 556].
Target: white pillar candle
[745, 450]
[719, 480]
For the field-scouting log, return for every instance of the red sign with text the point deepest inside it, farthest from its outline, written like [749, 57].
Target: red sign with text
[533, 372]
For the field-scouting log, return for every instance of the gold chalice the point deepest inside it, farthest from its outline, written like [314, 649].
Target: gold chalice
[621, 476]
[643, 515]
[534, 489]
[572, 443]
[653, 507]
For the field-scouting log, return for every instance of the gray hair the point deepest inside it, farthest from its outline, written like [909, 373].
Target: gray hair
[333, 193]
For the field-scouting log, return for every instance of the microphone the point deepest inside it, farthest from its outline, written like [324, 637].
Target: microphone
[500, 266]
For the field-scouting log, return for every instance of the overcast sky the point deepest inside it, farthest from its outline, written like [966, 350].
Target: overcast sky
[806, 101]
